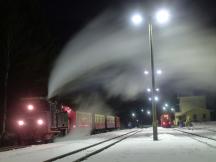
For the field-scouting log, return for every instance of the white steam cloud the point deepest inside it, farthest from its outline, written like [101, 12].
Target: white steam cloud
[113, 55]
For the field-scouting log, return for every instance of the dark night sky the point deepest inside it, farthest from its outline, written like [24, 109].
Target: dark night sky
[35, 31]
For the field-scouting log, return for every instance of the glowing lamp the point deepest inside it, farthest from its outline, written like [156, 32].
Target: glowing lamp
[163, 16]
[137, 19]
[40, 122]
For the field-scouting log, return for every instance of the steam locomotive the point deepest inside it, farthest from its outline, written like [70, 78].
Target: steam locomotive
[41, 123]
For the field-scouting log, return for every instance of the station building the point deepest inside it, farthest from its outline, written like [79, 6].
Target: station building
[193, 109]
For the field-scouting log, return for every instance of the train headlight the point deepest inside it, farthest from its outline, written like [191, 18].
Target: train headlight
[30, 107]
[20, 122]
[40, 122]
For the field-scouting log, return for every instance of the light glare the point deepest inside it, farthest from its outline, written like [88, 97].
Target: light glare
[137, 19]
[40, 121]
[148, 89]
[30, 107]
[20, 122]
[156, 98]
[159, 72]
[162, 16]
[146, 72]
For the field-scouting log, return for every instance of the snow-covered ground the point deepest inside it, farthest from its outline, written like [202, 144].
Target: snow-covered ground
[206, 125]
[39, 153]
[171, 146]
[203, 128]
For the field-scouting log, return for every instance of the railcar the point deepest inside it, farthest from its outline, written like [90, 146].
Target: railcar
[166, 120]
[99, 123]
[36, 123]
[110, 122]
[117, 122]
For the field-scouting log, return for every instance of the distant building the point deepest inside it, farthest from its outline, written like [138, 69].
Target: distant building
[192, 108]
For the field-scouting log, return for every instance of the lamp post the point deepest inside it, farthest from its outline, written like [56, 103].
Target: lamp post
[154, 112]
[148, 112]
[162, 16]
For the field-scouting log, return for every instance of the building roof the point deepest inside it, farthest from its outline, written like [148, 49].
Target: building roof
[177, 114]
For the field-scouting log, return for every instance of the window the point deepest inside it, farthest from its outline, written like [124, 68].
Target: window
[195, 117]
[204, 116]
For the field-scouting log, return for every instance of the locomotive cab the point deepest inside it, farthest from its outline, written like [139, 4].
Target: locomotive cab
[39, 121]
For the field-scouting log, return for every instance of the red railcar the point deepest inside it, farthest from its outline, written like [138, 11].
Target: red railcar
[99, 122]
[39, 124]
[71, 117]
[83, 120]
[166, 120]
[117, 122]
[110, 122]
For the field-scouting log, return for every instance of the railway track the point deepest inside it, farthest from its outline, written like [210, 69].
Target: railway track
[200, 128]
[199, 136]
[86, 152]
[194, 134]
[210, 130]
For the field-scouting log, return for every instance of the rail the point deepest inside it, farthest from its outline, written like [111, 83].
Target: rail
[126, 135]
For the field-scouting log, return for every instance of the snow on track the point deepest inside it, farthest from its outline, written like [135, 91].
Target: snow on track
[83, 155]
[39, 153]
[172, 146]
[204, 131]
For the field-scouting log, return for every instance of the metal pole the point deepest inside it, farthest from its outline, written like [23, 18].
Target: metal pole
[154, 113]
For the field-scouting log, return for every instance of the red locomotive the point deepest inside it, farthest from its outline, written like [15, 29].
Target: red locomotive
[166, 120]
[42, 122]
